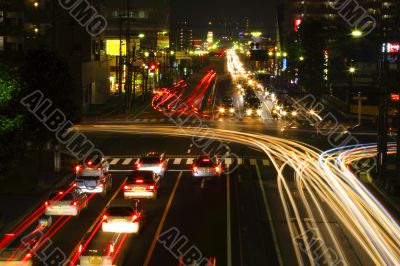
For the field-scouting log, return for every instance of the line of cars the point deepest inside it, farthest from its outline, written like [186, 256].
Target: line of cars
[123, 215]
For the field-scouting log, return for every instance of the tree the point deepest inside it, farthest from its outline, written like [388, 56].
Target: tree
[10, 119]
[311, 45]
[45, 71]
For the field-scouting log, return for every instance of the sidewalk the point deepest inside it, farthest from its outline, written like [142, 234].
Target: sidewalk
[25, 189]
[387, 193]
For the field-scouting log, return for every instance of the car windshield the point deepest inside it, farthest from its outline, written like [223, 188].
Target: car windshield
[120, 211]
[60, 197]
[88, 177]
[150, 160]
[146, 176]
[205, 162]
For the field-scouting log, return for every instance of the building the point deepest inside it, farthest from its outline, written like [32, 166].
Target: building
[182, 36]
[356, 27]
[92, 58]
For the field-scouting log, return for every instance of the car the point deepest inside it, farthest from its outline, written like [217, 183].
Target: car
[15, 253]
[89, 164]
[92, 181]
[253, 107]
[64, 203]
[227, 106]
[123, 217]
[153, 161]
[206, 167]
[141, 184]
[97, 250]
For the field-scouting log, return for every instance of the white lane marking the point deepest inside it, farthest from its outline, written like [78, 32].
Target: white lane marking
[189, 161]
[191, 145]
[137, 161]
[189, 151]
[115, 161]
[203, 181]
[269, 215]
[127, 161]
[228, 161]
[266, 162]
[177, 161]
[228, 222]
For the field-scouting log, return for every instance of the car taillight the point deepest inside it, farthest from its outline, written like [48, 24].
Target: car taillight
[111, 248]
[46, 203]
[151, 187]
[217, 169]
[101, 185]
[28, 256]
[74, 203]
[126, 187]
[138, 165]
[75, 185]
[134, 218]
[161, 165]
[77, 169]
[195, 169]
[80, 248]
[105, 217]
[139, 181]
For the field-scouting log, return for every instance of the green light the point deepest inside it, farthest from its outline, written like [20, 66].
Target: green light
[356, 33]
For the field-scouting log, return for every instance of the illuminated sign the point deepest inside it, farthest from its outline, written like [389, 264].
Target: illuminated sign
[210, 37]
[113, 46]
[297, 23]
[395, 97]
[393, 48]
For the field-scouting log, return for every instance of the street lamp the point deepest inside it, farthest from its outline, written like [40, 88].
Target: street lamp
[301, 58]
[352, 70]
[357, 33]
[141, 35]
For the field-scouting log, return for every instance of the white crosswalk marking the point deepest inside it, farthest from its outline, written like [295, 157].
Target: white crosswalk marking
[127, 161]
[137, 161]
[189, 161]
[266, 162]
[177, 161]
[228, 161]
[253, 161]
[114, 161]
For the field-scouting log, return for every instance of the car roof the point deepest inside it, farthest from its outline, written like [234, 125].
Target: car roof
[91, 172]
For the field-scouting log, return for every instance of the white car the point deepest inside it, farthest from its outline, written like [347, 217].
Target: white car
[124, 218]
[141, 184]
[152, 162]
[94, 181]
[63, 203]
[97, 252]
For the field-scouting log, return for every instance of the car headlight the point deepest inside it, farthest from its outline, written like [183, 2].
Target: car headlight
[284, 113]
[259, 112]
[249, 112]
[231, 110]
[222, 110]
[294, 113]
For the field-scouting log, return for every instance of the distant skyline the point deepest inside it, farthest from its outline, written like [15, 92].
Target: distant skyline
[257, 11]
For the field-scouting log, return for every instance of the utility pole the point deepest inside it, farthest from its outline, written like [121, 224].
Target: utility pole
[383, 119]
[128, 82]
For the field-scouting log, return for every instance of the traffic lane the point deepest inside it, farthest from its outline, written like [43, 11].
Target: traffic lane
[70, 234]
[197, 214]
[115, 144]
[319, 229]
[253, 239]
[136, 247]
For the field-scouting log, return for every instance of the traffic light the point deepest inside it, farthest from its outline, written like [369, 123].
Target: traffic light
[153, 67]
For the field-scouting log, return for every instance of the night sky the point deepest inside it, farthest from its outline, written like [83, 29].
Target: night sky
[200, 12]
